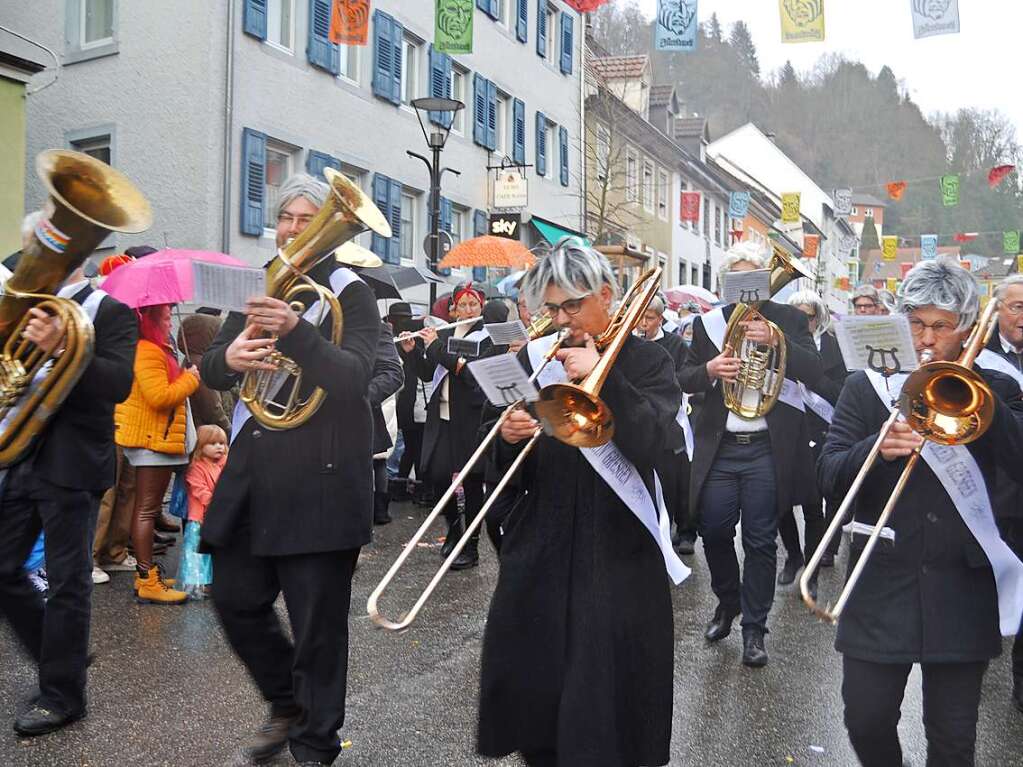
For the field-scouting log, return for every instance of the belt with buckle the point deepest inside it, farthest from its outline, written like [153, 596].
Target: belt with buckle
[747, 437]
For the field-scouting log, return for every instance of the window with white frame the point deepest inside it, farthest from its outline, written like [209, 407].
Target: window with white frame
[409, 71]
[349, 62]
[94, 146]
[694, 275]
[280, 159]
[663, 185]
[552, 35]
[868, 212]
[96, 23]
[458, 80]
[502, 143]
[458, 216]
[506, 13]
[553, 151]
[280, 23]
[408, 226]
[603, 151]
[631, 176]
[648, 186]
[706, 216]
[856, 211]
[719, 225]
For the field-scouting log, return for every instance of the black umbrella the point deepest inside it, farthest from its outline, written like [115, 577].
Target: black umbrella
[410, 276]
[380, 280]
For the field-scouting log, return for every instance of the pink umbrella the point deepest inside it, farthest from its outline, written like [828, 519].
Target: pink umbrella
[164, 277]
[683, 294]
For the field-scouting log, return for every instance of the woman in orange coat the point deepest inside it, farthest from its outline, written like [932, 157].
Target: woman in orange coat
[153, 426]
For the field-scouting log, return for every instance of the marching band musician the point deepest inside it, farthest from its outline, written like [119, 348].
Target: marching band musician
[57, 489]
[744, 466]
[928, 595]
[578, 648]
[294, 506]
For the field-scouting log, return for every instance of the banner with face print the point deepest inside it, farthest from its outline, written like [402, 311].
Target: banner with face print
[890, 248]
[1010, 242]
[928, 246]
[349, 22]
[843, 203]
[675, 26]
[453, 26]
[802, 21]
[790, 207]
[690, 206]
[949, 190]
[935, 17]
[738, 205]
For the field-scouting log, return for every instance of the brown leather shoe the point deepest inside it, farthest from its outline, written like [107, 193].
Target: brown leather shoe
[165, 523]
[270, 739]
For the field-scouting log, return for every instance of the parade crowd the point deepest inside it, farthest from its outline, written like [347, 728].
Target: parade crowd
[156, 457]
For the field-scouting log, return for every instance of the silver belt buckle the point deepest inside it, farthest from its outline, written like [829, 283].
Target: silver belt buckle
[743, 439]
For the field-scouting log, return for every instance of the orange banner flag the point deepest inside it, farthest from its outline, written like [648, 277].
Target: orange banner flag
[349, 22]
[896, 189]
[811, 245]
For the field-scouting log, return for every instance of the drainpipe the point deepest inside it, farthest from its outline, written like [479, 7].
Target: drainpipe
[225, 210]
[582, 121]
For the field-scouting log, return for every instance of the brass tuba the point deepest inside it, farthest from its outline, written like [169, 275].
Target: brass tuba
[347, 213]
[762, 369]
[89, 200]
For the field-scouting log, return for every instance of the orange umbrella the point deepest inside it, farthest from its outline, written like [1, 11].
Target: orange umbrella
[489, 251]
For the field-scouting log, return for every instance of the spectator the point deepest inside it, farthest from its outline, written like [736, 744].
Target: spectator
[195, 572]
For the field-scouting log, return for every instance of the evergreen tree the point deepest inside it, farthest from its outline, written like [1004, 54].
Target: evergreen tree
[742, 42]
[869, 239]
[714, 28]
[787, 77]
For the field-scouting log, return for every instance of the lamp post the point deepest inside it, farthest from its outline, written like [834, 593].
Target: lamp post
[435, 140]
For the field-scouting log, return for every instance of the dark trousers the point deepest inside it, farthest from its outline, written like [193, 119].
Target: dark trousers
[55, 634]
[412, 457]
[813, 523]
[872, 693]
[673, 471]
[498, 514]
[741, 481]
[310, 676]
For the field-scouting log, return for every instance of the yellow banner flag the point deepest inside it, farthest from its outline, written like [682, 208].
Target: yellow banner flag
[892, 284]
[790, 208]
[890, 248]
[802, 21]
[1019, 264]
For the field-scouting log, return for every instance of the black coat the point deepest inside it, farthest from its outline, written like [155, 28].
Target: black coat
[406, 405]
[76, 449]
[673, 468]
[578, 647]
[791, 455]
[387, 379]
[1008, 496]
[465, 405]
[308, 489]
[676, 348]
[930, 596]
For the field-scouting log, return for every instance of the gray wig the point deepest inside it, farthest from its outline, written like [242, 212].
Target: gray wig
[1004, 285]
[820, 309]
[573, 267]
[750, 252]
[301, 185]
[866, 291]
[944, 286]
[656, 305]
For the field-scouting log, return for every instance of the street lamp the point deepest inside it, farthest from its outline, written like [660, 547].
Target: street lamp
[435, 140]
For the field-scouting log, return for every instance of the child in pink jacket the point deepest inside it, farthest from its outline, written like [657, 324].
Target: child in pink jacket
[195, 573]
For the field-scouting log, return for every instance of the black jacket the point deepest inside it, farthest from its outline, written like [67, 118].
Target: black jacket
[308, 489]
[791, 455]
[76, 449]
[1008, 496]
[677, 349]
[930, 596]
[387, 379]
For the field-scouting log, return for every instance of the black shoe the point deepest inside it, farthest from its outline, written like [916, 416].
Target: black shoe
[812, 587]
[720, 625]
[1017, 691]
[828, 560]
[270, 738]
[456, 529]
[381, 514]
[753, 652]
[788, 573]
[159, 539]
[470, 556]
[39, 720]
[686, 545]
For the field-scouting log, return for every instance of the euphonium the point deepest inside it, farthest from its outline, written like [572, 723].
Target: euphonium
[347, 213]
[762, 369]
[89, 199]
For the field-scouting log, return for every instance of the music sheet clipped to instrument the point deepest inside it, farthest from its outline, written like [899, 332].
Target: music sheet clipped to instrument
[226, 287]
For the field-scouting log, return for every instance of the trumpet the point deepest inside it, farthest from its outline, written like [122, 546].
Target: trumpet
[571, 413]
[944, 402]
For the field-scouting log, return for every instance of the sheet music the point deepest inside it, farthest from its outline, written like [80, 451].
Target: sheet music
[463, 347]
[504, 333]
[876, 343]
[503, 380]
[226, 287]
[746, 287]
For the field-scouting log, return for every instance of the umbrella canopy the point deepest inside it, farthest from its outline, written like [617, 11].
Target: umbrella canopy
[380, 280]
[489, 251]
[410, 276]
[165, 277]
[683, 294]
[507, 285]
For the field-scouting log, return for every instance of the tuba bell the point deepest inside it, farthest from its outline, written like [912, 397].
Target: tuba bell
[89, 199]
[762, 366]
[347, 213]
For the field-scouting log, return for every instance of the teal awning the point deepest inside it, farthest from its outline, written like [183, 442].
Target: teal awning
[553, 233]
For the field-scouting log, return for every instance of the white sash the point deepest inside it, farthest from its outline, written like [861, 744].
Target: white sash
[958, 472]
[618, 472]
[820, 406]
[682, 419]
[340, 279]
[990, 360]
[440, 371]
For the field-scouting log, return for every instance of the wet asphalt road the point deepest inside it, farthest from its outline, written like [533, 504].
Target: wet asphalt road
[166, 690]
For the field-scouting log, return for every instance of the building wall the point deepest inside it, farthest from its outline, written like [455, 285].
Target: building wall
[12, 163]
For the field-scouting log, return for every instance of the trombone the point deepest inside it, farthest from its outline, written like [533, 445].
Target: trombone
[572, 413]
[944, 402]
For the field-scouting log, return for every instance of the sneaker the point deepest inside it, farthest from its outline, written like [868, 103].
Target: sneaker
[99, 576]
[129, 564]
[154, 590]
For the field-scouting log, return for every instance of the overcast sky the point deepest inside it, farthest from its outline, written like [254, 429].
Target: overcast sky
[978, 67]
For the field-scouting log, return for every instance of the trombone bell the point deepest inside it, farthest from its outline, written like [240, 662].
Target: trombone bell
[572, 415]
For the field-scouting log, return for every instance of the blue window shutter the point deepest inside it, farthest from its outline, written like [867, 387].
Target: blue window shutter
[567, 43]
[445, 214]
[563, 141]
[254, 20]
[397, 44]
[479, 110]
[483, 5]
[316, 161]
[519, 131]
[479, 274]
[479, 223]
[394, 219]
[541, 144]
[381, 198]
[522, 22]
[383, 59]
[541, 28]
[495, 9]
[440, 84]
[491, 116]
[321, 52]
[253, 181]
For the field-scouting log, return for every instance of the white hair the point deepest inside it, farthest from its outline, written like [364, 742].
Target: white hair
[750, 252]
[571, 266]
[887, 299]
[28, 226]
[866, 291]
[815, 302]
[1008, 282]
[301, 185]
[656, 305]
[944, 286]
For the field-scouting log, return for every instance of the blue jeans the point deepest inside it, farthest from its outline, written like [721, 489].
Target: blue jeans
[741, 482]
